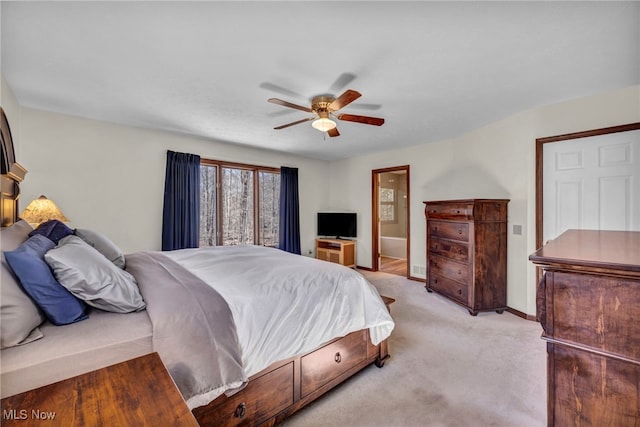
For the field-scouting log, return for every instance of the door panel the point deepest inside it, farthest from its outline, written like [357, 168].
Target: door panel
[592, 183]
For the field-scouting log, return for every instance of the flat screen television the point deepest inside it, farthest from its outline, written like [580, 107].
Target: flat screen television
[341, 225]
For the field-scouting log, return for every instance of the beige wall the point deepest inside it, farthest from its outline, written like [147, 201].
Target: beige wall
[11, 108]
[111, 178]
[494, 161]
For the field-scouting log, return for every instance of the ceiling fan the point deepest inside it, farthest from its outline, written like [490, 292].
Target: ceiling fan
[325, 106]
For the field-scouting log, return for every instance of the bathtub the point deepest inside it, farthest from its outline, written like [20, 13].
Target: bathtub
[393, 247]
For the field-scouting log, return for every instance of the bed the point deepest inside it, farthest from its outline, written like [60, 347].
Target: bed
[249, 334]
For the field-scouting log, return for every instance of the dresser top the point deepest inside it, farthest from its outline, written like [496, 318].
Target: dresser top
[467, 201]
[592, 249]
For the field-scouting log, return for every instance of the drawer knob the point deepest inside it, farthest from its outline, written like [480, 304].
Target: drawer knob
[458, 211]
[337, 358]
[459, 230]
[241, 410]
[459, 291]
[435, 280]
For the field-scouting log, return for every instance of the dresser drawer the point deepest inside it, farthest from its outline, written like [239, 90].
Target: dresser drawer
[595, 311]
[449, 210]
[451, 288]
[450, 249]
[262, 398]
[589, 389]
[448, 268]
[325, 364]
[450, 230]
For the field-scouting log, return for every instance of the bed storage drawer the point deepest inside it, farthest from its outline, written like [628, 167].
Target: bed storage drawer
[261, 399]
[325, 364]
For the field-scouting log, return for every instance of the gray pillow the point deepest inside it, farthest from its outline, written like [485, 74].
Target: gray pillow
[19, 316]
[91, 277]
[103, 245]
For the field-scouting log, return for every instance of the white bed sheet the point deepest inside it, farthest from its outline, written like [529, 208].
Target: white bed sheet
[295, 302]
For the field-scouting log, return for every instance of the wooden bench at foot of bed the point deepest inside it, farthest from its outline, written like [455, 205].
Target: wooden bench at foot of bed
[286, 386]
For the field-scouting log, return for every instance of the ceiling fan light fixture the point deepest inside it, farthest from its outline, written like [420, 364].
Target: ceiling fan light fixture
[323, 124]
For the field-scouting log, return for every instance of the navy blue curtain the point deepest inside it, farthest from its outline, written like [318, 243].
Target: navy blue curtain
[289, 238]
[181, 212]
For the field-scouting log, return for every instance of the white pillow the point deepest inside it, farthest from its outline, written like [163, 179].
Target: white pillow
[90, 276]
[103, 245]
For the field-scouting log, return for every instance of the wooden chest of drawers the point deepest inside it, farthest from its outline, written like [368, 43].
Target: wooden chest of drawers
[588, 303]
[467, 252]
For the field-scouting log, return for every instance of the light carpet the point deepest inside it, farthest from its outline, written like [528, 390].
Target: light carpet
[447, 368]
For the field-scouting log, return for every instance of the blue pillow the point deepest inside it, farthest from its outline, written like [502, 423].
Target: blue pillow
[40, 244]
[57, 303]
[53, 229]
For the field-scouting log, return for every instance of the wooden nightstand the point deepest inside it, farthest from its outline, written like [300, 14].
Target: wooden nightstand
[137, 392]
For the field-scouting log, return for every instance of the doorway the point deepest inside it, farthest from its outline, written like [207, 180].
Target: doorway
[390, 219]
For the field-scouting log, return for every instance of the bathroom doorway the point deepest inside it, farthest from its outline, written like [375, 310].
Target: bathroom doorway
[390, 195]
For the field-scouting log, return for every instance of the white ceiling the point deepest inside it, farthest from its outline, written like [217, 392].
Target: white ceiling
[432, 70]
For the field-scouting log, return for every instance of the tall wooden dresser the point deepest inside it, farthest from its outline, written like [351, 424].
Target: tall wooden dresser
[588, 303]
[467, 252]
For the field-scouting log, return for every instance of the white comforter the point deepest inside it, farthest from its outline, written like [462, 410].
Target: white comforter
[295, 303]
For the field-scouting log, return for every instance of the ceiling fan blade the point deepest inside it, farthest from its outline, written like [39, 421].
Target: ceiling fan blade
[341, 82]
[361, 119]
[289, 104]
[333, 132]
[281, 90]
[295, 123]
[345, 99]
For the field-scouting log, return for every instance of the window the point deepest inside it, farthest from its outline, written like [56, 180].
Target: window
[239, 204]
[269, 210]
[387, 201]
[208, 204]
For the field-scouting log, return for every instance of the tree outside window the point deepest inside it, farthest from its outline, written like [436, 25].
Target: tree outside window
[239, 204]
[269, 211]
[208, 205]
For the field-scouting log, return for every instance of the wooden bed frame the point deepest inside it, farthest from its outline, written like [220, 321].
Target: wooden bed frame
[272, 394]
[287, 386]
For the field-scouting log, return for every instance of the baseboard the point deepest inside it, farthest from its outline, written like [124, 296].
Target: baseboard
[521, 314]
[509, 309]
[417, 279]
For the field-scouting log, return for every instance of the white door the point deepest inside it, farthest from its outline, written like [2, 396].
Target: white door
[592, 183]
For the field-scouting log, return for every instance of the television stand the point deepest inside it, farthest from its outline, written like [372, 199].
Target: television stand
[337, 250]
